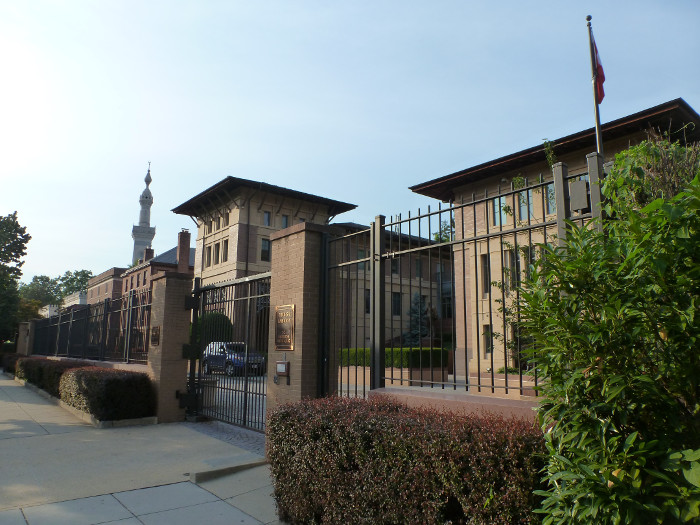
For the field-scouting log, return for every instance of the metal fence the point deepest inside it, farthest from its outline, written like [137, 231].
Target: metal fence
[430, 300]
[114, 330]
[231, 373]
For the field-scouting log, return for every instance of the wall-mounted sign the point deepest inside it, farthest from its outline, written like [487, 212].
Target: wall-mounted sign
[155, 335]
[284, 327]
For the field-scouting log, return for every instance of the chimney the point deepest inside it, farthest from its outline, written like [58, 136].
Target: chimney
[147, 254]
[183, 251]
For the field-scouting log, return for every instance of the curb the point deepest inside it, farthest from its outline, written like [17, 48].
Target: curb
[84, 416]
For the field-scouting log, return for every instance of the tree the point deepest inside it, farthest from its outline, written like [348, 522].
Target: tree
[71, 282]
[28, 309]
[418, 321]
[615, 314]
[13, 246]
[42, 288]
[446, 231]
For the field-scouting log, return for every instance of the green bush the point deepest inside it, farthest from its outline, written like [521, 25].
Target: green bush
[8, 347]
[397, 357]
[44, 373]
[109, 394]
[7, 361]
[338, 460]
[616, 314]
[215, 326]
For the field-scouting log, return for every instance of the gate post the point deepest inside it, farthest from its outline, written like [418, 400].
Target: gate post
[170, 319]
[296, 280]
[595, 176]
[561, 193]
[378, 305]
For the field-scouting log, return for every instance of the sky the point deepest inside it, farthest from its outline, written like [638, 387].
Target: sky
[354, 101]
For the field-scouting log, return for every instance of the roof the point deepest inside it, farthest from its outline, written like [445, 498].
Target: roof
[169, 258]
[210, 198]
[676, 112]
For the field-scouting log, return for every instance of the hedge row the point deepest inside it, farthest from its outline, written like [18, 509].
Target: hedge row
[107, 394]
[338, 460]
[400, 357]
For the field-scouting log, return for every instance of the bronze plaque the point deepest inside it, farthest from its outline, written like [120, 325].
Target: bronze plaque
[284, 327]
[155, 336]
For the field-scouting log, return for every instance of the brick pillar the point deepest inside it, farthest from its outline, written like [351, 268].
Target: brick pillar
[171, 321]
[296, 280]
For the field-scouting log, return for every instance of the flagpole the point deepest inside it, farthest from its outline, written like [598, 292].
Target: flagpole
[598, 134]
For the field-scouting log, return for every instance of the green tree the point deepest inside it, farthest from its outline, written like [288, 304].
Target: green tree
[418, 321]
[615, 316]
[42, 288]
[71, 282]
[13, 246]
[215, 326]
[446, 231]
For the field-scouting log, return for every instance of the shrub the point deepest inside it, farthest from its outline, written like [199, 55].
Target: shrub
[44, 373]
[109, 394]
[617, 312]
[396, 357]
[8, 347]
[215, 326]
[337, 460]
[8, 362]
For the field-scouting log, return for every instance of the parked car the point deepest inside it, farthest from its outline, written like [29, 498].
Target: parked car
[232, 358]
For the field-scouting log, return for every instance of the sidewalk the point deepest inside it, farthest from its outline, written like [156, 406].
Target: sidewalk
[56, 469]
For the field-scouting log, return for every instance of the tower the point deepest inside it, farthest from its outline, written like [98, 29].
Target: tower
[143, 233]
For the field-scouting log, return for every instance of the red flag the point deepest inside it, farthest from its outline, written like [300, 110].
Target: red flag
[599, 76]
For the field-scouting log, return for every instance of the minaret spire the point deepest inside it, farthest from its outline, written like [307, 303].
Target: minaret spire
[143, 233]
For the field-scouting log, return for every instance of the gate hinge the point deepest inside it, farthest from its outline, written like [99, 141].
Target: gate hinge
[190, 351]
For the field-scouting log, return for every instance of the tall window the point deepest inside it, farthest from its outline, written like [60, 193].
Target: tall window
[526, 208]
[395, 303]
[218, 222]
[487, 340]
[224, 251]
[485, 269]
[550, 199]
[285, 221]
[267, 218]
[395, 266]
[207, 256]
[419, 268]
[368, 301]
[217, 253]
[361, 255]
[265, 250]
[498, 212]
[225, 217]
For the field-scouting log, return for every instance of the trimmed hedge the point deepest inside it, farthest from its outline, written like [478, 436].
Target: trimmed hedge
[105, 393]
[8, 361]
[399, 357]
[339, 460]
[109, 394]
[44, 373]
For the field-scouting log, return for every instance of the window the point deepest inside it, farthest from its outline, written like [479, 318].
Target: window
[446, 307]
[368, 301]
[419, 268]
[98, 290]
[131, 284]
[207, 256]
[511, 270]
[302, 219]
[526, 208]
[395, 303]
[218, 222]
[224, 251]
[210, 226]
[498, 212]
[138, 280]
[225, 217]
[395, 266]
[144, 277]
[485, 267]
[361, 255]
[550, 199]
[267, 218]
[265, 250]
[217, 252]
[285, 221]
[487, 340]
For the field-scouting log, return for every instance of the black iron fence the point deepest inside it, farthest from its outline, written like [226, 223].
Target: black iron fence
[231, 371]
[113, 330]
[430, 300]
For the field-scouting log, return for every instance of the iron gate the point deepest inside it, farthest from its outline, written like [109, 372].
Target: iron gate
[231, 334]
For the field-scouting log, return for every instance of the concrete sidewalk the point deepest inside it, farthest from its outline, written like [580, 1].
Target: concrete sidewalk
[55, 469]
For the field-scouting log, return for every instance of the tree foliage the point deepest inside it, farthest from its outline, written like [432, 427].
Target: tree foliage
[13, 246]
[614, 316]
[52, 290]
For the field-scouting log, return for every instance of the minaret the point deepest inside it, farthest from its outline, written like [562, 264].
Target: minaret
[143, 233]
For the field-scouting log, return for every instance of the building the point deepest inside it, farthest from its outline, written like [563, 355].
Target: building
[178, 259]
[235, 218]
[107, 285]
[143, 233]
[505, 207]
